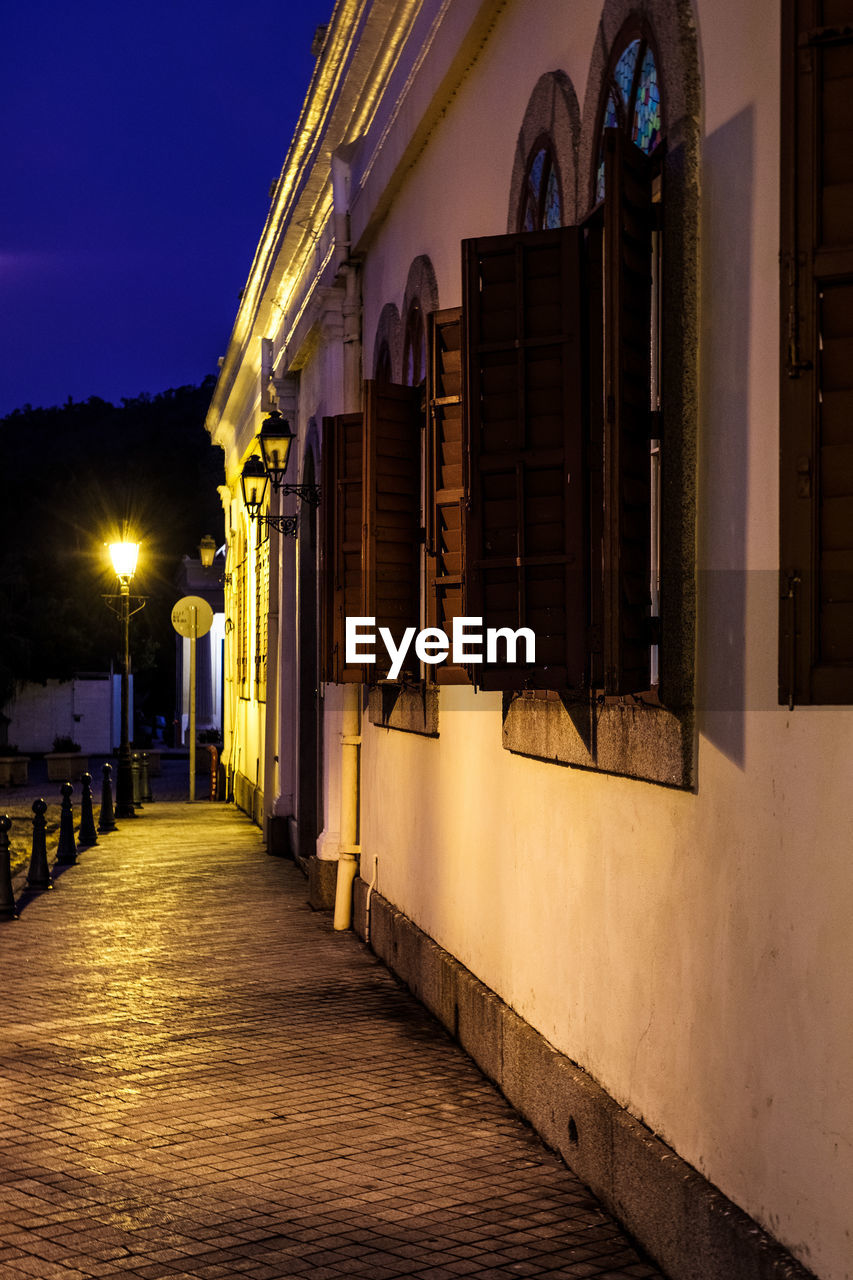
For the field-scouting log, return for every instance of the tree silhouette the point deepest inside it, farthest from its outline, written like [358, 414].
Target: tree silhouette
[74, 478]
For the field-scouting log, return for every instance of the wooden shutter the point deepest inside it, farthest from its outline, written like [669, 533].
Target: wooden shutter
[816, 455]
[241, 621]
[262, 609]
[526, 521]
[341, 531]
[392, 515]
[627, 415]
[445, 483]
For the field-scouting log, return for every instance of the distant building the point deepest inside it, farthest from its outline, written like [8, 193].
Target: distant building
[519, 295]
[85, 708]
[194, 579]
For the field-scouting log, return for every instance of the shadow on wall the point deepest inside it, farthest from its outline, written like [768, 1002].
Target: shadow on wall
[726, 228]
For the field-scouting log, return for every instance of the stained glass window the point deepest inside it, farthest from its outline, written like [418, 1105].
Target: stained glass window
[633, 103]
[611, 121]
[647, 122]
[623, 74]
[552, 212]
[543, 207]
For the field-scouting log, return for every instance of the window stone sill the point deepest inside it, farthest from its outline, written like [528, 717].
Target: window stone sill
[411, 709]
[634, 740]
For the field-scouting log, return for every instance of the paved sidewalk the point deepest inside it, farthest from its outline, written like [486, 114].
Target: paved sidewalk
[199, 1078]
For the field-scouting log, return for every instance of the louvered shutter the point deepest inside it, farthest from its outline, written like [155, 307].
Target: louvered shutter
[341, 531]
[262, 609]
[816, 457]
[445, 486]
[627, 415]
[526, 519]
[392, 515]
[241, 624]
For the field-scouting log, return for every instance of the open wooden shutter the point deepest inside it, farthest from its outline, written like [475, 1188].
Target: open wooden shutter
[446, 486]
[262, 609]
[816, 456]
[392, 515]
[241, 613]
[341, 532]
[627, 415]
[526, 521]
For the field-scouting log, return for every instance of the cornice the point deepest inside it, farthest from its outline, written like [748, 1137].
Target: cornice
[363, 43]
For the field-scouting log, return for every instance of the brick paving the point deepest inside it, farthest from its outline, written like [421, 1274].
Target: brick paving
[200, 1078]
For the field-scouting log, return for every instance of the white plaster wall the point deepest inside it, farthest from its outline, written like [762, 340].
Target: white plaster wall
[460, 185]
[77, 708]
[692, 951]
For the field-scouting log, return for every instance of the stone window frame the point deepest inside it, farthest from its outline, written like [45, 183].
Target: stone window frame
[388, 343]
[552, 114]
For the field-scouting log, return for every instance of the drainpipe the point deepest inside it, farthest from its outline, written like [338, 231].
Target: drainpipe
[350, 848]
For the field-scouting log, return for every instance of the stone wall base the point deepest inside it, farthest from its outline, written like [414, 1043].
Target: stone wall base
[322, 883]
[249, 797]
[690, 1229]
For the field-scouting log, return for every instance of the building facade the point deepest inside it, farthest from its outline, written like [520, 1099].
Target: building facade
[546, 292]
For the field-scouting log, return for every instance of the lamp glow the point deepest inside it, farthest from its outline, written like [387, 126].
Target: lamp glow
[254, 481]
[275, 440]
[207, 551]
[124, 556]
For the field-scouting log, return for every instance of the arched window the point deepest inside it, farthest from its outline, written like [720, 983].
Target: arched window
[633, 101]
[414, 346]
[541, 204]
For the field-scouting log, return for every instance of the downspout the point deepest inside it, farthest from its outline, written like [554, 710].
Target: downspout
[350, 848]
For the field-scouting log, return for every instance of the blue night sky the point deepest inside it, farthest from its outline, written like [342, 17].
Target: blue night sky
[139, 144]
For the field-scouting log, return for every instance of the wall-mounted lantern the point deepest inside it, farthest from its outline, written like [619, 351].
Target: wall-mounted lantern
[207, 551]
[275, 440]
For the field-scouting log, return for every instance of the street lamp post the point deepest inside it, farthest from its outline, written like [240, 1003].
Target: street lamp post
[124, 556]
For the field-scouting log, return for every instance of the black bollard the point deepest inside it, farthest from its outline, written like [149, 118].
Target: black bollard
[106, 818]
[144, 781]
[66, 850]
[38, 876]
[7, 896]
[135, 769]
[87, 835]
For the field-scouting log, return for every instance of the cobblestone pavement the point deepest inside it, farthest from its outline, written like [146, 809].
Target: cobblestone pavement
[200, 1078]
[171, 783]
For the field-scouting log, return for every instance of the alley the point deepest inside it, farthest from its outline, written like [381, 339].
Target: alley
[201, 1079]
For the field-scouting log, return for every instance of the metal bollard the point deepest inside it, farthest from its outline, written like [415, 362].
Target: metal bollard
[106, 818]
[144, 782]
[7, 895]
[87, 835]
[66, 850]
[38, 876]
[137, 787]
[214, 771]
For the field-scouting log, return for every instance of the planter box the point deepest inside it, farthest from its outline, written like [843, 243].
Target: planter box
[14, 771]
[66, 766]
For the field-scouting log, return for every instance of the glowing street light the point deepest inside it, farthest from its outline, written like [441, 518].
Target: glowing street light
[124, 556]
